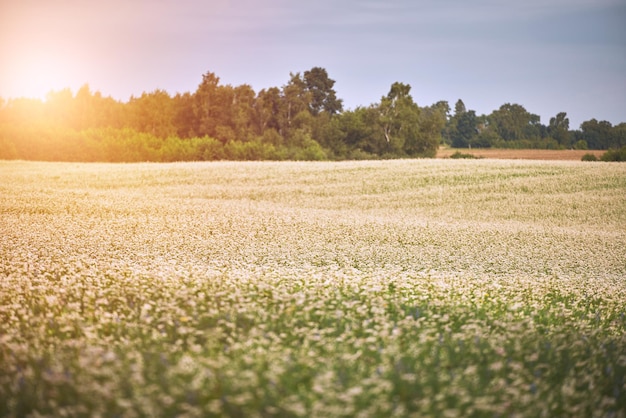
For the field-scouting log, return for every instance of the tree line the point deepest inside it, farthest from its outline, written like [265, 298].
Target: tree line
[302, 120]
[512, 126]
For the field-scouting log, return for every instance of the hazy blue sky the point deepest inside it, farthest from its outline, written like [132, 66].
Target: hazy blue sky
[547, 55]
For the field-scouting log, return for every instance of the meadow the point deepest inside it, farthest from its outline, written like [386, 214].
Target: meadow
[444, 288]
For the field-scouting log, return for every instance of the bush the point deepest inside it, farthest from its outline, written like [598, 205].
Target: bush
[614, 155]
[250, 151]
[581, 144]
[208, 149]
[459, 154]
[589, 157]
[529, 143]
[359, 154]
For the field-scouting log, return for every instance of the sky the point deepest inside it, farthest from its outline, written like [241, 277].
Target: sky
[550, 56]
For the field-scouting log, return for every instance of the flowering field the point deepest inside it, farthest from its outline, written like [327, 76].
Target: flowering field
[375, 289]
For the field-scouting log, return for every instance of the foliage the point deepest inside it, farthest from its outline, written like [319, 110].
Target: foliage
[559, 129]
[272, 123]
[513, 122]
[615, 155]
[589, 157]
[462, 127]
[323, 97]
[603, 135]
[511, 126]
[459, 154]
[301, 120]
[128, 145]
[581, 144]
[403, 124]
[419, 288]
[529, 143]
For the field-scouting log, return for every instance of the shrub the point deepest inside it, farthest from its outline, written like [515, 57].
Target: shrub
[615, 155]
[359, 154]
[580, 144]
[459, 154]
[589, 157]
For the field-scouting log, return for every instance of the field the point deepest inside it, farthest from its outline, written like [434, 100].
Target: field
[444, 288]
[522, 154]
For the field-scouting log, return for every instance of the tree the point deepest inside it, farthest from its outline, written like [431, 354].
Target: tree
[361, 131]
[535, 129]
[323, 97]
[432, 121]
[85, 114]
[296, 98]
[212, 105]
[266, 110]
[459, 108]
[153, 113]
[443, 107]
[487, 135]
[559, 129]
[328, 133]
[597, 134]
[463, 126]
[512, 122]
[618, 135]
[243, 112]
[466, 129]
[399, 118]
[184, 115]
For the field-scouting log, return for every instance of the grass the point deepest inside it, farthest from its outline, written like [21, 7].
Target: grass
[380, 288]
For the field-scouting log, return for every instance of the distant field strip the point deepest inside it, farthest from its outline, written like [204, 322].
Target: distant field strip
[328, 289]
[522, 154]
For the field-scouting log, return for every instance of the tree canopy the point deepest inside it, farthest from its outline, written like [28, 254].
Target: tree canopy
[303, 119]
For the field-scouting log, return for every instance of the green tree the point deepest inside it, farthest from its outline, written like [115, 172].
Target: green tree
[558, 129]
[184, 115]
[618, 136]
[153, 113]
[212, 107]
[462, 128]
[597, 134]
[459, 108]
[243, 112]
[466, 129]
[323, 97]
[444, 108]
[432, 121]
[266, 110]
[513, 122]
[328, 133]
[361, 131]
[399, 119]
[296, 98]
[487, 135]
[86, 114]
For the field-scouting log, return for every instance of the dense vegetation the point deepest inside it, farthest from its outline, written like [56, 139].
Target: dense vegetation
[615, 155]
[302, 120]
[437, 288]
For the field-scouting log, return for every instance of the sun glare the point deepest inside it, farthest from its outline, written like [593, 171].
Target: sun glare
[36, 72]
[40, 48]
